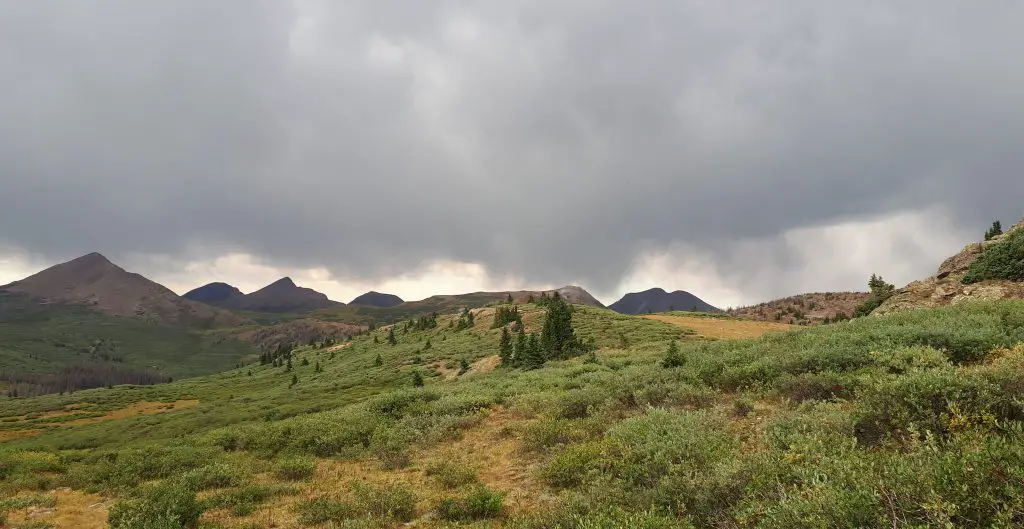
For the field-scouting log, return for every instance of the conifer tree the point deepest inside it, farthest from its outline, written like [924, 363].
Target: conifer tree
[289, 364]
[417, 379]
[305, 361]
[534, 357]
[558, 339]
[505, 348]
[509, 300]
[673, 358]
[295, 380]
[391, 336]
[521, 346]
[427, 345]
[375, 339]
[317, 368]
[379, 361]
[463, 366]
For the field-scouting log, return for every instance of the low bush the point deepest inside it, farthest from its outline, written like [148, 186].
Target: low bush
[166, 506]
[570, 467]
[482, 503]
[388, 501]
[296, 468]
[452, 473]
[316, 511]
[243, 500]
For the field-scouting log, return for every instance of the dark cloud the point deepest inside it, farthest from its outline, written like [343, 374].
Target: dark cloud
[552, 140]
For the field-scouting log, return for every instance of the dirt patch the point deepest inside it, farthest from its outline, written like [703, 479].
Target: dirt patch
[74, 510]
[484, 365]
[337, 347]
[721, 328]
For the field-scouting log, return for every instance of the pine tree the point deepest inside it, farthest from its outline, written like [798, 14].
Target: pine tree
[534, 357]
[289, 364]
[375, 339]
[379, 361]
[417, 379]
[317, 368]
[996, 229]
[427, 345]
[673, 358]
[505, 348]
[391, 336]
[463, 366]
[509, 300]
[558, 339]
[305, 361]
[295, 380]
[521, 347]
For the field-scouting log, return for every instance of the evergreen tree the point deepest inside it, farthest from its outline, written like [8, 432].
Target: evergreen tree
[463, 366]
[534, 357]
[375, 339]
[391, 336]
[379, 361]
[505, 348]
[295, 380]
[305, 361]
[509, 300]
[673, 358]
[557, 337]
[996, 229]
[428, 345]
[521, 345]
[417, 379]
[317, 368]
[289, 364]
[529, 299]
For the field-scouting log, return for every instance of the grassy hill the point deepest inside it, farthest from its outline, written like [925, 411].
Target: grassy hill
[47, 338]
[911, 419]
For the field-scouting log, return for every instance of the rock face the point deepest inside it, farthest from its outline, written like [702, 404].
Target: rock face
[945, 287]
[93, 281]
[282, 295]
[214, 293]
[377, 299]
[657, 300]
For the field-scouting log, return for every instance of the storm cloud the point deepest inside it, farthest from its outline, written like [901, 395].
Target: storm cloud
[557, 141]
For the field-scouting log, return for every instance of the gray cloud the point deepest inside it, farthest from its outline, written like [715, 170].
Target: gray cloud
[552, 140]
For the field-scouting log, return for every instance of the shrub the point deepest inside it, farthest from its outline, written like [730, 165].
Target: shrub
[316, 511]
[452, 473]
[213, 476]
[296, 468]
[813, 386]
[169, 505]
[480, 504]
[1002, 260]
[389, 501]
[244, 500]
[570, 467]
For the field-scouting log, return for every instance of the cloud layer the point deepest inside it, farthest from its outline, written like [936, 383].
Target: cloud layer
[556, 141]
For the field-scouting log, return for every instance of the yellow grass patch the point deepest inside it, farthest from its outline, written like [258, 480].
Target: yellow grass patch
[139, 408]
[74, 510]
[722, 328]
[497, 457]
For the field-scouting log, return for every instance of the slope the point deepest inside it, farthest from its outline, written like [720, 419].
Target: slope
[657, 300]
[809, 427]
[805, 309]
[93, 281]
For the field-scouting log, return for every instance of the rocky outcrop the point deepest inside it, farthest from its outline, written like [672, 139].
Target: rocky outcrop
[946, 286]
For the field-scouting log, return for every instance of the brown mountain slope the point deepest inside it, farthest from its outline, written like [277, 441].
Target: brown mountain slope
[804, 309]
[282, 295]
[946, 286]
[94, 281]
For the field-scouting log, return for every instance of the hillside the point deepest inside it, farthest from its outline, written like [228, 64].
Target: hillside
[282, 295]
[657, 300]
[213, 294]
[898, 420]
[805, 309]
[57, 347]
[93, 281]
[951, 285]
[377, 299]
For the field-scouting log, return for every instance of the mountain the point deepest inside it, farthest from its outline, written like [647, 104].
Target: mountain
[657, 300]
[282, 295]
[804, 309]
[213, 293]
[1002, 257]
[377, 299]
[93, 281]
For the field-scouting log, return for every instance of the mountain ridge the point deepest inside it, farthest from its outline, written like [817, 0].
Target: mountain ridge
[658, 300]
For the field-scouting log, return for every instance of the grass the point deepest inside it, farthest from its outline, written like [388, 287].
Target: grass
[911, 419]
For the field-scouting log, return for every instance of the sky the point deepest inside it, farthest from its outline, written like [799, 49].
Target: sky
[738, 150]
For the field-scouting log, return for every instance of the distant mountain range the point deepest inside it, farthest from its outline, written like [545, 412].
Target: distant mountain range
[282, 295]
[377, 299]
[93, 281]
[657, 300]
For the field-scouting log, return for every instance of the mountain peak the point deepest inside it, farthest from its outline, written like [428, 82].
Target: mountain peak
[283, 282]
[657, 300]
[377, 299]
